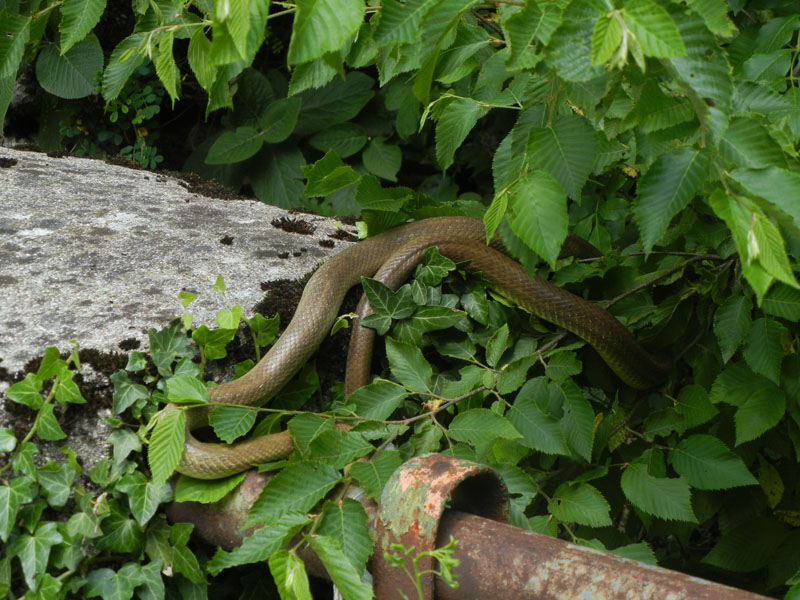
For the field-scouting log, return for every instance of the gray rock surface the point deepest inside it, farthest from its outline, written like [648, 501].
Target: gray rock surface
[98, 253]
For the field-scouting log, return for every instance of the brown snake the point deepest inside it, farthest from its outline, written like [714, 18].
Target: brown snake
[392, 255]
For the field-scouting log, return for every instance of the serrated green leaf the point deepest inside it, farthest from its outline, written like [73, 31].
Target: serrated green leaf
[346, 522]
[382, 159]
[378, 400]
[763, 348]
[566, 150]
[774, 184]
[606, 38]
[122, 63]
[261, 544]
[540, 431]
[78, 17]
[708, 464]
[339, 448]
[345, 139]
[715, 16]
[578, 420]
[694, 406]
[235, 146]
[373, 475]
[748, 545]
[497, 344]
[539, 214]
[409, 366]
[231, 421]
[198, 57]
[14, 34]
[533, 20]
[297, 488]
[312, 33]
[186, 389]
[782, 301]
[452, 127]
[327, 175]
[731, 323]
[166, 445]
[279, 119]
[582, 504]
[341, 571]
[747, 143]
[480, 427]
[306, 427]
[654, 29]
[400, 21]
[205, 491]
[668, 499]
[279, 181]
[666, 189]
[337, 102]
[166, 67]
[763, 409]
[289, 574]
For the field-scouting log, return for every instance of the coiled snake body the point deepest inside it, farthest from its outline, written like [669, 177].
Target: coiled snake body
[391, 256]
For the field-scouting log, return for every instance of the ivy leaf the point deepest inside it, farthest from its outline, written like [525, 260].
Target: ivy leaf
[566, 150]
[120, 533]
[654, 29]
[731, 323]
[481, 427]
[538, 214]
[231, 421]
[166, 445]
[33, 551]
[668, 499]
[342, 573]
[14, 494]
[582, 503]
[297, 488]
[56, 481]
[708, 464]
[409, 366]
[373, 474]
[49, 429]
[8, 441]
[27, 391]
[667, 188]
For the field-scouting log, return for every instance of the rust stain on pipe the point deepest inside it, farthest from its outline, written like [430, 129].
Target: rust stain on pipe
[499, 561]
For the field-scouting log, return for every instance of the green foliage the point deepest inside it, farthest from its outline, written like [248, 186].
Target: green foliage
[665, 133]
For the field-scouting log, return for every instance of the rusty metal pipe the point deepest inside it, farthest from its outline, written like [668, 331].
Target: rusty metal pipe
[499, 561]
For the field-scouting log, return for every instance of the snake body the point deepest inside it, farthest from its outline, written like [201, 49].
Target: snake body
[392, 255]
